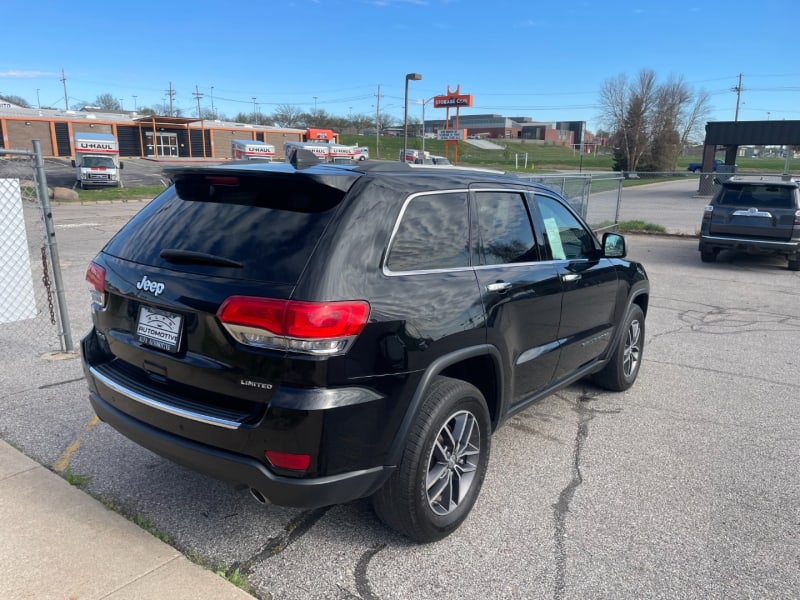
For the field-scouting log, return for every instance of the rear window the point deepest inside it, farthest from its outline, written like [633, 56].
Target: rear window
[774, 196]
[269, 225]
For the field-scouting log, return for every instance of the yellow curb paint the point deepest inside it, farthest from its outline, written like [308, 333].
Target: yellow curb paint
[63, 462]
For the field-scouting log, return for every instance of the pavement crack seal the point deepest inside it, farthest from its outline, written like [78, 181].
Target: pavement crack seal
[362, 581]
[562, 507]
[62, 464]
[294, 530]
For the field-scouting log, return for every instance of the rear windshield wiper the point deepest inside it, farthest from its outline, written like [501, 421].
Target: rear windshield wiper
[198, 258]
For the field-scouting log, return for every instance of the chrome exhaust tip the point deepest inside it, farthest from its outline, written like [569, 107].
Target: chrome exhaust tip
[258, 496]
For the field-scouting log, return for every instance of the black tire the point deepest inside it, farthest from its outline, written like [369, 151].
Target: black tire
[419, 499]
[794, 264]
[621, 371]
[708, 256]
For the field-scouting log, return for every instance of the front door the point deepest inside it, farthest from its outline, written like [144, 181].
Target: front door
[588, 282]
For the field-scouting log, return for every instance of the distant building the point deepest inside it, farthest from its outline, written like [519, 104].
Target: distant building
[562, 133]
[138, 135]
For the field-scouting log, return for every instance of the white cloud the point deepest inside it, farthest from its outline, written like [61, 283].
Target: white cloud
[25, 74]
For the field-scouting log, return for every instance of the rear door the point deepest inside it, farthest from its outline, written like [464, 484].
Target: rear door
[754, 211]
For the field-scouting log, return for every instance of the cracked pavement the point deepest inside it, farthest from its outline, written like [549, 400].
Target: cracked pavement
[684, 486]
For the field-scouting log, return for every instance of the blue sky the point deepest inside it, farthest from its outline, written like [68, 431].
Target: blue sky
[543, 60]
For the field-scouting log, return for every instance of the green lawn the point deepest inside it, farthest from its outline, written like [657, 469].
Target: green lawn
[541, 158]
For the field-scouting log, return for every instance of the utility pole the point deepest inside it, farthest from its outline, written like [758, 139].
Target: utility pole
[64, 81]
[39, 104]
[135, 107]
[171, 93]
[197, 96]
[213, 111]
[738, 90]
[378, 123]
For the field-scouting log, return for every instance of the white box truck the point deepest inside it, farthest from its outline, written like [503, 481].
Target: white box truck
[252, 150]
[96, 160]
[327, 153]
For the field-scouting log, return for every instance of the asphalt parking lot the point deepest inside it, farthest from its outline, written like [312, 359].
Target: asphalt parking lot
[685, 486]
[136, 172]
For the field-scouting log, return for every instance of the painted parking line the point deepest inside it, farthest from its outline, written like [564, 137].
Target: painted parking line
[63, 462]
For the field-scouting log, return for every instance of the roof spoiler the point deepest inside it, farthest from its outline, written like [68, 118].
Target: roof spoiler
[303, 159]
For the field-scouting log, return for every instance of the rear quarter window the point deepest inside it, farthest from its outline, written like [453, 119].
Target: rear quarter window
[433, 233]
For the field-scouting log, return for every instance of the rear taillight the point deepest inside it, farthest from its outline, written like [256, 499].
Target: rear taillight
[708, 211]
[797, 218]
[96, 278]
[309, 327]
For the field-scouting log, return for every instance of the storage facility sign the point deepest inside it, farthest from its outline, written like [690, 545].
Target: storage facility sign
[452, 101]
[451, 134]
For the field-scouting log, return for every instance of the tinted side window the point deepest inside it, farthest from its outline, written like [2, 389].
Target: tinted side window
[433, 234]
[567, 238]
[504, 227]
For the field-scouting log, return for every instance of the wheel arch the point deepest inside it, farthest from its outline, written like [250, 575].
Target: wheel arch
[477, 365]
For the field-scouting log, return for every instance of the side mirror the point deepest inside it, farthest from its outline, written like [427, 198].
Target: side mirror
[121, 165]
[73, 164]
[614, 246]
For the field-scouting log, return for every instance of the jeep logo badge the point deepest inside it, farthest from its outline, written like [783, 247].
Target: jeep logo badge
[154, 287]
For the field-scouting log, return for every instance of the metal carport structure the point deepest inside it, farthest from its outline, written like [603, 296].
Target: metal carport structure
[732, 134]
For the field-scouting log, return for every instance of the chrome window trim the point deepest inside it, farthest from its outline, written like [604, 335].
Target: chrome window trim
[522, 189]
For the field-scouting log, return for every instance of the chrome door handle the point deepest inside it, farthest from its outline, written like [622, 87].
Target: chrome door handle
[500, 286]
[570, 277]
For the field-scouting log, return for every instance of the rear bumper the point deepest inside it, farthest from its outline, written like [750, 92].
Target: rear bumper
[243, 470]
[707, 241]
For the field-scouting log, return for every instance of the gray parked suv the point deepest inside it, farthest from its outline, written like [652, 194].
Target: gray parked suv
[753, 214]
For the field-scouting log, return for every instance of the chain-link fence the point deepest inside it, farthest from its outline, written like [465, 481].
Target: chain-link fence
[32, 311]
[595, 197]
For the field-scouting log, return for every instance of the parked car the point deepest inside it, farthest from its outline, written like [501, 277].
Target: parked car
[698, 166]
[758, 214]
[331, 333]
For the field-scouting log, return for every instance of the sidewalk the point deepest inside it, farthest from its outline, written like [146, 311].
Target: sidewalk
[58, 542]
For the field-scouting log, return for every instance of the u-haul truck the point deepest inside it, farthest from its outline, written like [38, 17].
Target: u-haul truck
[252, 150]
[96, 160]
[328, 153]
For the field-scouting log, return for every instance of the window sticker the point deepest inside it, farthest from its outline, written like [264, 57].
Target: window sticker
[554, 237]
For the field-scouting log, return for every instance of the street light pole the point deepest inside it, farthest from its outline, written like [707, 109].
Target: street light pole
[424, 102]
[409, 77]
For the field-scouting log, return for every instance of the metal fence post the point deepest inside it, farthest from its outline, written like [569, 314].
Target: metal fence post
[619, 201]
[44, 201]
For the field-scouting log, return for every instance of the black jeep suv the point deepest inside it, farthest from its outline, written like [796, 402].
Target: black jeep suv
[331, 333]
[757, 214]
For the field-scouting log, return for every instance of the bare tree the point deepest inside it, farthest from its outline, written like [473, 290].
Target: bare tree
[107, 102]
[669, 102]
[650, 121]
[287, 115]
[361, 122]
[694, 117]
[18, 100]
